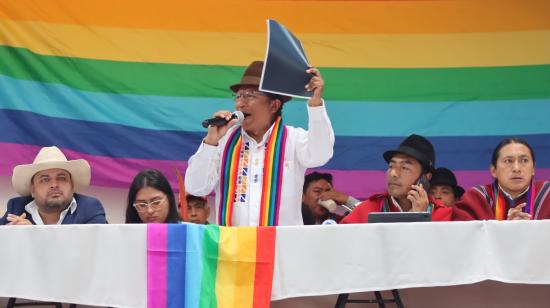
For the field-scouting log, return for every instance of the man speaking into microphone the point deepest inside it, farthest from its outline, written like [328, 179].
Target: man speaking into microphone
[257, 168]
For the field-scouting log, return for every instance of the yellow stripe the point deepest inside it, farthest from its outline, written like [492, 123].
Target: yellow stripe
[336, 50]
[236, 267]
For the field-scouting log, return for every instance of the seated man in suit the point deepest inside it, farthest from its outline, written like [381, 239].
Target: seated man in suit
[48, 189]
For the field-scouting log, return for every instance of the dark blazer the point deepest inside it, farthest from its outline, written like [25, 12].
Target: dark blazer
[88, 211]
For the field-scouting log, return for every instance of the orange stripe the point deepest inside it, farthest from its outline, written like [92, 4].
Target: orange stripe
[265, 260]
[181, 195]
[500, 206]
[250, 16]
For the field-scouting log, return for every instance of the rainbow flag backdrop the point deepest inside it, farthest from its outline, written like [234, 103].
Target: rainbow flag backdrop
[210, 266]
[126, 84]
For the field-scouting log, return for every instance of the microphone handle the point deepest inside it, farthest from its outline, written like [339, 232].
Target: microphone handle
[214, 122]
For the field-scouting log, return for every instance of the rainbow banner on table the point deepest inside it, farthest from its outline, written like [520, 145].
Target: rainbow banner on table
[125, 85]
[192, 266]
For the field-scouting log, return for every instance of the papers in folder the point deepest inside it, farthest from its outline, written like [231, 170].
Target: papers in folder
[286, 63]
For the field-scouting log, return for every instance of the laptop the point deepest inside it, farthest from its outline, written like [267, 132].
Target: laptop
[399, 217]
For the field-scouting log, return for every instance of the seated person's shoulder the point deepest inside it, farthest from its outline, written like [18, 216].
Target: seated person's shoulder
[84, 199]
[18, 204]
[15, 206]
[373, 199]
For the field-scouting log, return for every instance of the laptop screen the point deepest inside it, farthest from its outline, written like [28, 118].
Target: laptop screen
[400, 217]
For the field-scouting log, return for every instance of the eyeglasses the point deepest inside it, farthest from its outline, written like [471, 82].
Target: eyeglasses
[143, 206]
[248, 96]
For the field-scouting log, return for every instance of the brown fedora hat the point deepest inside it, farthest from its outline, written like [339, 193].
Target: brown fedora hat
[252, 77]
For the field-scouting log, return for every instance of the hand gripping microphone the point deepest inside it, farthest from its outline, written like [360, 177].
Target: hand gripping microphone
[216, 121]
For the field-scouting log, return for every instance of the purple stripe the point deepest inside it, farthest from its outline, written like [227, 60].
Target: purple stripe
[363, 183]
[119, 172]
[106, 171]
[157, 244]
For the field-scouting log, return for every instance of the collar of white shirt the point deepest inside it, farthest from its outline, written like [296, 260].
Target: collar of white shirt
[264, 138]
[32, 209]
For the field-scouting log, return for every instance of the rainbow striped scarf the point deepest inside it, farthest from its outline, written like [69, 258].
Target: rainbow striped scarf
[500, 201]
[197, 266]
[272, 175]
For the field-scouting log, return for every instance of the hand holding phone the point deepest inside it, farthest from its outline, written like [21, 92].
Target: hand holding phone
[418, 195]
[423, 180]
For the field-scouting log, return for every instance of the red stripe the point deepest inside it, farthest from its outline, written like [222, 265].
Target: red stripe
[265, 259]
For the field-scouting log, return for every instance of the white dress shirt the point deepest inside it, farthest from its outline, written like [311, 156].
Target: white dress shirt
[32, 209]
[304, 149]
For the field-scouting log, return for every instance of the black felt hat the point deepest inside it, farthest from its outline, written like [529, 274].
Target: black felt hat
[445, 177]
[417, 147]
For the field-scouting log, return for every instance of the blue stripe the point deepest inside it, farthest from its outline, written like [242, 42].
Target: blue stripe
[193, 269]
[461, 118]
[96, 138]
[350, 153]
[350, 118]
[176, 262]
[456, 153]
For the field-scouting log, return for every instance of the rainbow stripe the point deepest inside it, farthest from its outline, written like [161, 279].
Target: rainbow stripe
[127, 88]
[228, 176]
[273, 175]
[209, 266]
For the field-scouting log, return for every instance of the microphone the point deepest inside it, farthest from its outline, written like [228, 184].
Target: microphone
[216, 121]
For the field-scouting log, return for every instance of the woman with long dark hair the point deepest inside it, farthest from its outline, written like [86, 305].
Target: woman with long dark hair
[151, 199]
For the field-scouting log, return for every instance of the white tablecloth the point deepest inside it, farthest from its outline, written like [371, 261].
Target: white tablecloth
[105, 265]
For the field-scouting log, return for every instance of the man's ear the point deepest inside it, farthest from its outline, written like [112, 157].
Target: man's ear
[493, 171]
[275, 105]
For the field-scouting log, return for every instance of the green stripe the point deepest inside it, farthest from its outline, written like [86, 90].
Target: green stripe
[210, 267]
[363, 84]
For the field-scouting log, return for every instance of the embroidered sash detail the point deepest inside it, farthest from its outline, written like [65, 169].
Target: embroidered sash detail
[272, 176]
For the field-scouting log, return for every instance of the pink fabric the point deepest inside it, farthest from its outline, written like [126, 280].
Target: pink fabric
[106, 171]
[157, 243]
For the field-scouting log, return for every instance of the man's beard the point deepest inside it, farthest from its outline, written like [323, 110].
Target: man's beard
[55, 206]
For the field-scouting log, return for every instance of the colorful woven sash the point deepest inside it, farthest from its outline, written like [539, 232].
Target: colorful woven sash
[272, 176]
[500, 201]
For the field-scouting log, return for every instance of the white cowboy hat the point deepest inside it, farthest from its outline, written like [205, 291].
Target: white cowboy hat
[50, 158]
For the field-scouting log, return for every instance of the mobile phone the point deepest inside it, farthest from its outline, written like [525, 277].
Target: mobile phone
[424, 181]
